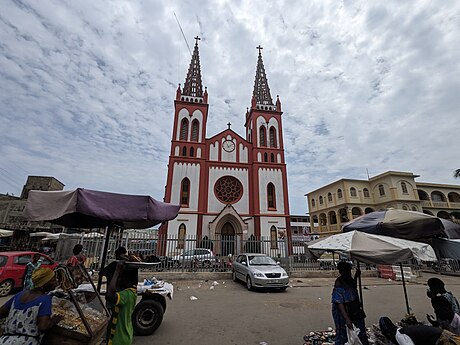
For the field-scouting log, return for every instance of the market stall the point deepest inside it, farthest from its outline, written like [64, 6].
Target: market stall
[86, 209]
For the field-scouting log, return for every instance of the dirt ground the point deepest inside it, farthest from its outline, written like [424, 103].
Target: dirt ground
[225, 313]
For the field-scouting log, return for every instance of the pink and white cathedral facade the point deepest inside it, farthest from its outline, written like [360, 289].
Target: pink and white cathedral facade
[227, 186]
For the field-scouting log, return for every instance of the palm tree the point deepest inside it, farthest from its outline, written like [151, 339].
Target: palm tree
[457, 173]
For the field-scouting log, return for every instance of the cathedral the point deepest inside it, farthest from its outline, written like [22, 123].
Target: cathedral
[227, 186]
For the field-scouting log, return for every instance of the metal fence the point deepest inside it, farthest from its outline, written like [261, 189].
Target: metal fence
[173, 253]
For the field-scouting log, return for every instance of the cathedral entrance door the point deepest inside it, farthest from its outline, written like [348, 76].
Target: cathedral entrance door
[228, 239]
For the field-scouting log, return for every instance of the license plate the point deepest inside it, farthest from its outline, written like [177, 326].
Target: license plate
[274, 281]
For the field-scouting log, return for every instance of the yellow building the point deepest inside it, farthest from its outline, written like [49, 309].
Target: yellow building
[340, 201]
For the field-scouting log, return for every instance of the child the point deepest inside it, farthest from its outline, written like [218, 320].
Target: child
[124, 301]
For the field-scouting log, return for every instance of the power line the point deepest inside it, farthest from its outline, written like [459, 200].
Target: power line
[7, 175]
[183, 35]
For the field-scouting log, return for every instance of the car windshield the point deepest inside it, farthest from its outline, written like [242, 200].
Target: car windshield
[261, 260]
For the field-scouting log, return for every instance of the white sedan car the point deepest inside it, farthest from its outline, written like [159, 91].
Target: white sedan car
[259, 271]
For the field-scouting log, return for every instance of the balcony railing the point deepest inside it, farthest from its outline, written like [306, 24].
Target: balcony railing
[440, 204]
[454, 204]
[426, 203]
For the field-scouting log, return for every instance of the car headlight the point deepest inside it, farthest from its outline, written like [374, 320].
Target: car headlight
[259, 274]
[284, 274]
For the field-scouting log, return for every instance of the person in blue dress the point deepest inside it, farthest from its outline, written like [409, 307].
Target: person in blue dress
[28, 314]
[346, 306]
[30, 268]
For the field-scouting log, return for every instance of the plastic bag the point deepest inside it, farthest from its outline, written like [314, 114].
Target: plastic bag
[352, 335]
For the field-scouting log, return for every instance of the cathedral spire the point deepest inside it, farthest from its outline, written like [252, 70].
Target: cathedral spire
[193, 86]
[261, 92]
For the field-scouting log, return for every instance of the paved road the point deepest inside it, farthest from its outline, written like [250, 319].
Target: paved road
[228, 314]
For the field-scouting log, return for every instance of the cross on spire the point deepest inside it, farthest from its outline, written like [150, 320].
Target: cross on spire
[260, 49]
[197, 39]
[229, 124]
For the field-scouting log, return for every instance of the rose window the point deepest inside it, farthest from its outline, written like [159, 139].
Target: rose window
[228, 189]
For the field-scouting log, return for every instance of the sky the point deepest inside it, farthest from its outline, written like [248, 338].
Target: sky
[87, 88]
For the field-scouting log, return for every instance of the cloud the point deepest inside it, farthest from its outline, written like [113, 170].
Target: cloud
[87, 88]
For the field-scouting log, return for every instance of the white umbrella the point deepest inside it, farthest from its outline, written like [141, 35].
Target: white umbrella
[40, 234]
[376, 249]
[93, 235]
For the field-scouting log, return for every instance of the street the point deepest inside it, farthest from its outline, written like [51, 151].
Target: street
[228, 314]
[225, 313]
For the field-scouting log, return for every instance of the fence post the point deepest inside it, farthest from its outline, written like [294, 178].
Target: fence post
[286, 253]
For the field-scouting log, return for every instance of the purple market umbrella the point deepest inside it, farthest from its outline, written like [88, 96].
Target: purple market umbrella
[408, 225]
[85, 208]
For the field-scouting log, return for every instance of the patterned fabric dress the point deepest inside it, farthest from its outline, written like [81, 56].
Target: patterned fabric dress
[30, 268]
[344, 294]
[21, 326]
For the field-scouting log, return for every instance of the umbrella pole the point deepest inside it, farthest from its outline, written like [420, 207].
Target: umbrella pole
[360, 287]
[404, 287]
[104, 257]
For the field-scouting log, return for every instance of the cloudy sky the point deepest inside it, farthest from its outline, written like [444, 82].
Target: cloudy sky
[87, 87]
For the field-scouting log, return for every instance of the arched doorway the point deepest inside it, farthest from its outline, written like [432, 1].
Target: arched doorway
[227, 239]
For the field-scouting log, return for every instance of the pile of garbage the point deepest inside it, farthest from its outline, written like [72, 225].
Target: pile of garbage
[320, 337]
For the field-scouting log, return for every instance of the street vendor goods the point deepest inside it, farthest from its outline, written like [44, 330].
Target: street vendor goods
[72, 320]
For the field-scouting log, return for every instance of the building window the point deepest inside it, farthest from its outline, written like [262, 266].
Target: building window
[271, 200]
[353, 191]
[184, 129]
[272, 158]
[339, 193]
[272, 137]
[192, 152]
[263, 136]
[313, 202]
[405, 208]
[273, 238]
[181, 236]
[228, 189]
[381, 190]
[320, 200]
[404, 188]
[265, 157]
[184, 151]
[195, 130]
[329, 197]
[414, 208]
[185, 192]
[366, 193]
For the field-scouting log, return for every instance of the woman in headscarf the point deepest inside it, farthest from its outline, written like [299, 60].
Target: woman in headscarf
[346, 306]
[29, 312]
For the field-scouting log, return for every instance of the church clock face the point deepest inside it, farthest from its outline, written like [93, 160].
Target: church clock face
[228, 145]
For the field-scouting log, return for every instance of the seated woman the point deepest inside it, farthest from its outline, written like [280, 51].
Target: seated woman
[445, 316]
[416, 334]
[29, 312]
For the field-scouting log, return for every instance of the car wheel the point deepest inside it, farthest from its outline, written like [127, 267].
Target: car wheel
[235, 279]
[249, 283]
[6, 287]
[147, 317]
[283, 288]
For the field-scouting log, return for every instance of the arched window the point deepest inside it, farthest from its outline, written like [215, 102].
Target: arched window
[192, 152]
[263, 136]
[313, 202]
[273, 238]
[339, 193]
[414, 208]
[185, 192]
[181, 236]
[271, 200]
[405, 208]
[329, 197]
[195, 130]
[184, 129]
[366, 193]
[353, 191]
[272, 137]
[404, 188]
[265, 157]
[184, 151]
[381, 190]
[321, 200]
[272, 158]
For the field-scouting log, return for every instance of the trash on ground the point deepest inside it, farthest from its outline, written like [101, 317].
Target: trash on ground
[193, 298]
